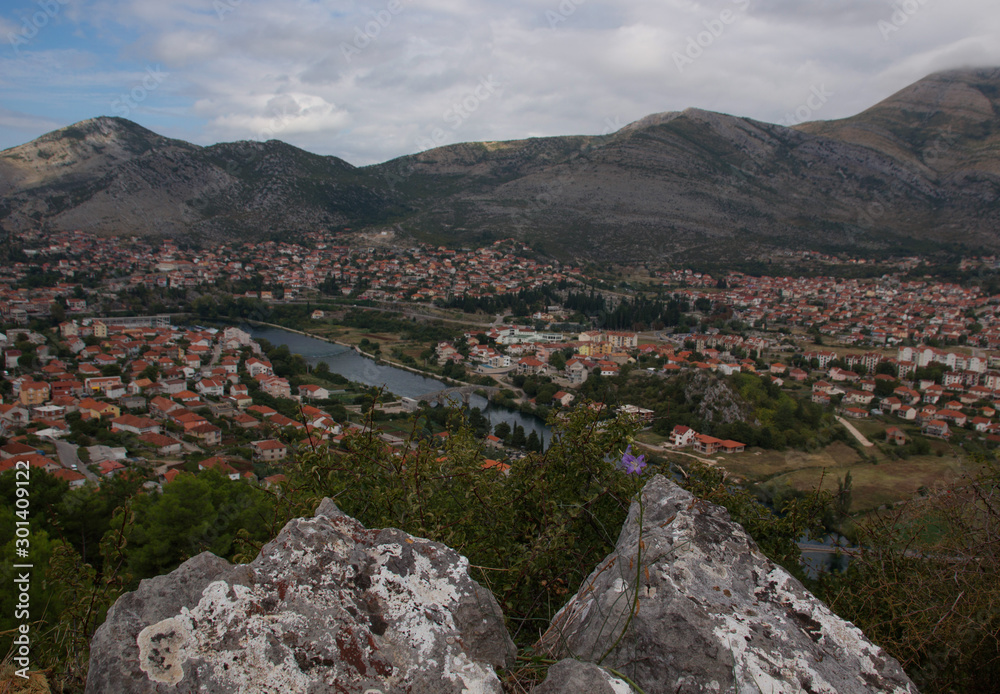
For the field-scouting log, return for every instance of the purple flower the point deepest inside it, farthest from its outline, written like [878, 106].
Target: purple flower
[631, 464]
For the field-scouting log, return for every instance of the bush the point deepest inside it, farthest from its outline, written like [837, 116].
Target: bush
[531, 537]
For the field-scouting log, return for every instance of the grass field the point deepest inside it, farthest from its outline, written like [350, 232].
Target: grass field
[879, 483]
[874, 484]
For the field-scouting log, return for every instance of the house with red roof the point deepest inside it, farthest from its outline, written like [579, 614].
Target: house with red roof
[33, 460]
[258, 367]
[135, 425]
[16, 449]
[895, 435]
[314, 392]
[164, 445]
[682, 436]
[110, 468]
[220, 464]
[937, 428]
[74, 478]
[703, 443]
[269, 450]
[209, 386]
[208, 433]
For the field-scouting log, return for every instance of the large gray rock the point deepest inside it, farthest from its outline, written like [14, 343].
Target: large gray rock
[328, 606]
[570, 676]
[712, 613]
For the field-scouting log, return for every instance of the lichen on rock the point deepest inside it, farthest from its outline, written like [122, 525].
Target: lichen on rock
[328, 605]
[687, 603]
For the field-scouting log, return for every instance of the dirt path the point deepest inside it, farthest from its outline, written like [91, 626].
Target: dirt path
[854, 432]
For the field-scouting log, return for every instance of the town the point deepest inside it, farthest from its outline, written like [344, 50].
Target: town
[897, 364]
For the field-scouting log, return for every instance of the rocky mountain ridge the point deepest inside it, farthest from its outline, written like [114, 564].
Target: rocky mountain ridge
[920, 170]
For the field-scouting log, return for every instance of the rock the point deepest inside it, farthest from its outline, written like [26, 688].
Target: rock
[570, 676]
[328, 605]
[712, 613]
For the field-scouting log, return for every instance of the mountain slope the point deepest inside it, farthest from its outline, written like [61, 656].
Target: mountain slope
[110, 176]
[691, 183]
[917, 171]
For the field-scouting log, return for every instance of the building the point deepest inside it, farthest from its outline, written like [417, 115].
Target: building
[895, 435]
[269, 450]
[314, 392]
[707, 445]
[938, 428]
[135, 425]
[682, 436]
[164, 445]
[33, 393]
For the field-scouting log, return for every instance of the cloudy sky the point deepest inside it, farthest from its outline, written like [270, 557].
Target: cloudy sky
[368, 81]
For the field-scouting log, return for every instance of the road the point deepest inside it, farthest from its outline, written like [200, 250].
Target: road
[216, 352]
[69, 458]
[854, 432]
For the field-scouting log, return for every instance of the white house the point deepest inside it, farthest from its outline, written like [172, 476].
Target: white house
[682, 436]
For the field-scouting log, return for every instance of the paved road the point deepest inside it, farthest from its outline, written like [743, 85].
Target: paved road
[69, 458]
[854, 432]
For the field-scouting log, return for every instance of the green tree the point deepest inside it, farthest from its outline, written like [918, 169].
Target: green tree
[517, 438]
[502, 431]
[194, 513]
[557, 361]
[322, 370]
[547, 524]
[534, 443]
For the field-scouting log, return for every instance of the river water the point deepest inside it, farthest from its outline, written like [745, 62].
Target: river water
[360, 369]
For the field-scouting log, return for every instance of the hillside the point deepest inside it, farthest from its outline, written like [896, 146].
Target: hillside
[111, 176]
[918, 171]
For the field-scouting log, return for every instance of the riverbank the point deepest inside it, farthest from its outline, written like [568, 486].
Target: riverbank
[350, 363]
[451, 382]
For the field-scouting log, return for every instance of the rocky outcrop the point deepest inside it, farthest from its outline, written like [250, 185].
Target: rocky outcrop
[571, 676]
[327, 606]
[686, 603]
[717, 400]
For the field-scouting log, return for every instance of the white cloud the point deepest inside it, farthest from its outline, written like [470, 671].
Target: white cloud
[370, 81]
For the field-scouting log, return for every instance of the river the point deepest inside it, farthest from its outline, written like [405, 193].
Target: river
[360, 369]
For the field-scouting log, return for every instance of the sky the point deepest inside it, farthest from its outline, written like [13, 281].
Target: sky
[370, 81]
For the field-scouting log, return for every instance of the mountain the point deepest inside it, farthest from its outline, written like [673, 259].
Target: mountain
[111, 176]
[918, 171]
